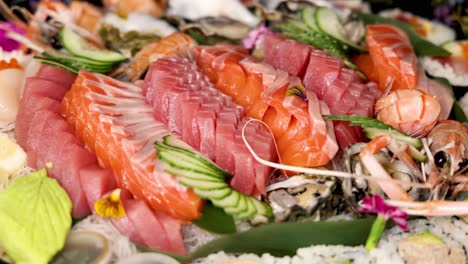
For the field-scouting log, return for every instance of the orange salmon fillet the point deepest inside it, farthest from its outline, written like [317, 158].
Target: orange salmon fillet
[302, 139]
[116, 124]
[391, 50]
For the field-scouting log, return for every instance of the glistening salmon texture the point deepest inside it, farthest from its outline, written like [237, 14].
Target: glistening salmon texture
[302, 135]
[115, 122]
[208, 120]
[339, 87]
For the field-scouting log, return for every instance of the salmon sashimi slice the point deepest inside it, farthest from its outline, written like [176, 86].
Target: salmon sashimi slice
[391, 49]
[301, 134]
[122, 130]
[339, 87]
[215, 121]
[177, 43]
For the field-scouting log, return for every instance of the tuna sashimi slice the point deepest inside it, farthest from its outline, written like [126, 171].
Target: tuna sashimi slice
[96, 182]
[124, 132]
[298, 54]
[54, 74]
[321, 72]
[205, 110]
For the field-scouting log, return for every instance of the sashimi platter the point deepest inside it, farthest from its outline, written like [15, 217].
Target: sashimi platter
[229, 131]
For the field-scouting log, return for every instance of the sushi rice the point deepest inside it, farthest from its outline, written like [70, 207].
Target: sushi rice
[453, 231]
[437, 69]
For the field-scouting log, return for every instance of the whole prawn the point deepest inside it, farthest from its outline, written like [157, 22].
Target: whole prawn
[448, 141]
[177, 43]
[412, 111]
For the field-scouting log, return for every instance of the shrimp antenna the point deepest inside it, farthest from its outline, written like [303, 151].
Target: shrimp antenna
[321, 172]
[8, 14]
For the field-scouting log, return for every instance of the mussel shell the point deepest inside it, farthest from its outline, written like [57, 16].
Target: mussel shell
[299, 197]
[218, 26]
[85, 247]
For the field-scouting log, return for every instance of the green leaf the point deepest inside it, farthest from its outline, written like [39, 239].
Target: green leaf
[421, 46]
[35, 217]
[215, 220]
[373, 127]
[283, 239]
[362, 121]
[458, 113]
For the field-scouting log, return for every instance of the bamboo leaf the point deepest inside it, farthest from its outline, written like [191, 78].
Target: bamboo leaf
[421, 46]
[283, 239]
[215, 220]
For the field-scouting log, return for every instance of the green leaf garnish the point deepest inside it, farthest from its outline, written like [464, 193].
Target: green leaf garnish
[215, 220]
[365, 122]
[284, 239]
[373, 127]
[421, 46]
[35, 217]
[459, 114]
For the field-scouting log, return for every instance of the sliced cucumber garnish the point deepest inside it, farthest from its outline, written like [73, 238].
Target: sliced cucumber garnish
[308, 17]
[78, 46]
[372, 132]
[214, 194]
[202, 184]
[206, 179]
[329, 23]
[251, 210]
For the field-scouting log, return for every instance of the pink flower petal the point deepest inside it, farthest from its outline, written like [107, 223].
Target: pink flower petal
[6, 43]
[375, 204]
[254, 36]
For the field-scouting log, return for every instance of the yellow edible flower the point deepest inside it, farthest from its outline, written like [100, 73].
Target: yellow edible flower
[110, 205]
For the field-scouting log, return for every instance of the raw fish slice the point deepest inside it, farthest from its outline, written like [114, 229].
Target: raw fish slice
[125, 124]
[44, 88]
[392, 53]
[28, 107]
[211, 116]
[54, 74]
[293, 128]
[295, 63]
[96, 182]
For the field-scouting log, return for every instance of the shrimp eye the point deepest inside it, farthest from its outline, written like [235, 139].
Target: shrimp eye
[440, 158]
[463, 164]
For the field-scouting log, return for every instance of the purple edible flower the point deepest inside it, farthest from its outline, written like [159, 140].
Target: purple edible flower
[6, 43]
[255, 35]
[375, 204]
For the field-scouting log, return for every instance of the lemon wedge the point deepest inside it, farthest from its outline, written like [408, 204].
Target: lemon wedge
[12, 158]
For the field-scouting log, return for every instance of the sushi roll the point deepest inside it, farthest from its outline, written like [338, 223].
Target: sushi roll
[454, 68]
[434, 32]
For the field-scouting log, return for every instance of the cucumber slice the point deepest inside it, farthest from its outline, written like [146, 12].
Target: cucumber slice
[328, 22]
[192, 175]
[201, 184]
[232, 200]
[56, 64]
[239, 207]
[194, 171]
[417, 155]
[262, 208]
[172, 143]
[372, 132]
[250, 211]
[78, 46]
[58, 56]
[308, 17]
[186, 162]
[217, 194]
[182, 146]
